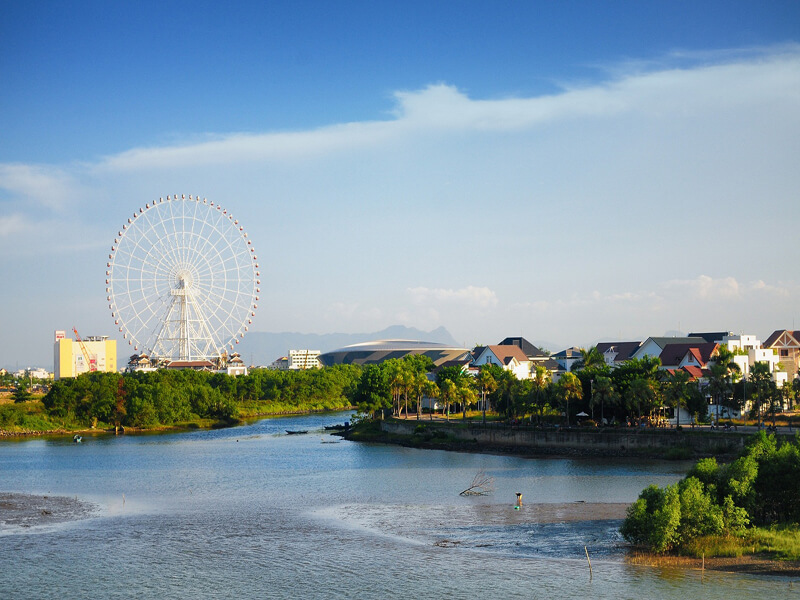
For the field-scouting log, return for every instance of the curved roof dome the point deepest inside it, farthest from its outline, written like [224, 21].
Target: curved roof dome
[377, 351]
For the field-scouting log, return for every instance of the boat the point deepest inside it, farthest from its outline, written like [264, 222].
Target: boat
[77, 439]
[296, 431]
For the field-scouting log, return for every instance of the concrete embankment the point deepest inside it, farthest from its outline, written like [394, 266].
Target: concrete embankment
[654, 443]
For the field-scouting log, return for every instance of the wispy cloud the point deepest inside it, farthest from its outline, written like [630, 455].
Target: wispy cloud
[13, 224]
[442, 108]
[47, 186]
[470, 296]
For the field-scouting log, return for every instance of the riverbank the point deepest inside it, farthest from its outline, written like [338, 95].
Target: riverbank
[500, 438]
[28, 419]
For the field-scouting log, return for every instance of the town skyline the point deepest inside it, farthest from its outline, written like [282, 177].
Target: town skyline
[567, 173]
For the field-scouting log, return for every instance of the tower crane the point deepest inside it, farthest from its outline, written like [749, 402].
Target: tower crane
[92, 362]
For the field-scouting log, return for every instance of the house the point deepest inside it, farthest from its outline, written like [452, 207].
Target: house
[615, 353]
[654, 346]
[712, 336]
[536, 356]
[567, 358]
[509, 357]
[677, 356]
[786, 345]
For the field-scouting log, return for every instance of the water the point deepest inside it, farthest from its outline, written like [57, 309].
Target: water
[251, 512]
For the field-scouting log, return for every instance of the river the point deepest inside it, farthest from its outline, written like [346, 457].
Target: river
[250, 512]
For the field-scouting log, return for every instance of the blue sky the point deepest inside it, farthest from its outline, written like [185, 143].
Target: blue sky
[566, 171]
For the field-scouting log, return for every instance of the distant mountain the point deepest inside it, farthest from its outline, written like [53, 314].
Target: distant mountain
[261, 348]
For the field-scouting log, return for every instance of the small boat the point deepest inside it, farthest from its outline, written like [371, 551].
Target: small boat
[77, 439]
[296, 431]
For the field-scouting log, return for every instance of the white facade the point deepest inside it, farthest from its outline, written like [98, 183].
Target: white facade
[304, 359]
[511, 358]
[740, 342]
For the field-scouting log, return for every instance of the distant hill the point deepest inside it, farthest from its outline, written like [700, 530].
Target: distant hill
[261, 348]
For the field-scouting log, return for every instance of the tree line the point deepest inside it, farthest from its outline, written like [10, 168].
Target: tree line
[632, 392]
[166, 397]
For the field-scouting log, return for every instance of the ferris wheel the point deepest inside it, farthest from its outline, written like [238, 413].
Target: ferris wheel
[182, 280]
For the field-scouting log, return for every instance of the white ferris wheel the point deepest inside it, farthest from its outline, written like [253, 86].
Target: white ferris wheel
[182, 280]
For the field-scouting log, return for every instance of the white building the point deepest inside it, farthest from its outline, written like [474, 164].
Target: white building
[303, 359]
[511, 358]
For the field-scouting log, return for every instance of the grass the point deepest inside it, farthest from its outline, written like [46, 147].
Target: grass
[776, 543]
[256, 409]
[29, 416]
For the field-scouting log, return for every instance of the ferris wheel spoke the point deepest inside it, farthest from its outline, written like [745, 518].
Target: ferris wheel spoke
[181, 279]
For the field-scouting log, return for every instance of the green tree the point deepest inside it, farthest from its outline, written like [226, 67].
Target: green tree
[568, 388]
[642, 396]
[21, 393]
[676, 391]
[486, 384]
[722, 371]
[372, 394]
[761, 378]
[603, 392]
[654, 518]
[591, 358]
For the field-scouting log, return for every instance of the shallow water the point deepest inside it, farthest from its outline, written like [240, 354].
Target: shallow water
[253, 512]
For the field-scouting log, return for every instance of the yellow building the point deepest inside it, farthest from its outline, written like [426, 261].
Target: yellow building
[70, 360]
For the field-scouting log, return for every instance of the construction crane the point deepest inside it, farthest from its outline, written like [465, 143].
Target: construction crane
[92, 362]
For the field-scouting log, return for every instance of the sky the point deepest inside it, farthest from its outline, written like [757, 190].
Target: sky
[571, 171]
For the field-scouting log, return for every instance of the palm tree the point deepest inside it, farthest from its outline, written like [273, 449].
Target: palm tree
[604, 392]
[761, 377]
[431, 391]
[487, 384]
[448, 391]
[642, 392]
[569, 387]
[722, 370]
[675, 391]
[590, 358]
[467, 396]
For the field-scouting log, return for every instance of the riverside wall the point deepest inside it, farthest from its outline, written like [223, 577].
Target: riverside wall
[589, 442]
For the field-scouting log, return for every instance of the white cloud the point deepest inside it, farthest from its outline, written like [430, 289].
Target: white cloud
[444, 108]
[13, 224]
[470, 296]
[705, 287]
[47, 186]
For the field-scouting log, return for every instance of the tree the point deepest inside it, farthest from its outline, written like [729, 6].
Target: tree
[372, 394]
[448, 391]
[21, 393]
[760, 377]
[722, 371]
[568, 388]
[487, 384]
[590, 358]
[603, 392]
[642, 395]
[676, 391]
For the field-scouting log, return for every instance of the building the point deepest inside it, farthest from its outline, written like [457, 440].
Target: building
[786, 345]
[567, 358]
[536, 356]
[616, 353]
[509, 357]
[378, 351]
[303, 359]
[93, 353]
[654, 346]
